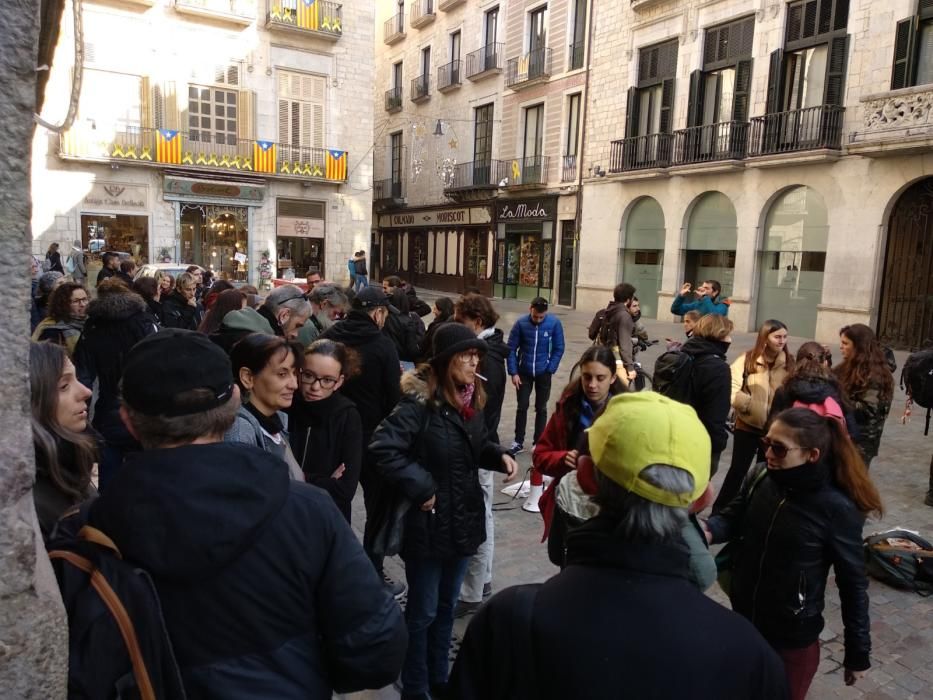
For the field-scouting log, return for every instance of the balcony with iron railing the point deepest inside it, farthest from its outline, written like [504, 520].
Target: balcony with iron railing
[484, 62]
[449, 76]
[531, 171]
[421, 88]
[808, 129]
[394, 99]
[320, 18]
[393, 29]
[640, 153]
[532, 68]
[446, 5]
[176, 149]
[568, 168]
[389, 190]
[576, 54]
[241, 12]
[422, 13]
[710, 143]
[477, 175]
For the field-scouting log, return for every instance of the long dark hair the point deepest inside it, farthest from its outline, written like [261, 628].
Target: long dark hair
[868, 365]
[46, 364]
[761, 342]
[225, 302]
[573, 392]
[446, 307]
[256, 350]
[830, 437]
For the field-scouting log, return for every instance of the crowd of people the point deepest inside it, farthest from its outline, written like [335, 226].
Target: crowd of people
[228, 435]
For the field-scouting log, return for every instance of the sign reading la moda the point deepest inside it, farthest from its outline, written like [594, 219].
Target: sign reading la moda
[536, 209]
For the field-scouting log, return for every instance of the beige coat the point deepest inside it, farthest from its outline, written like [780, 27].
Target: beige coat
[753, 400]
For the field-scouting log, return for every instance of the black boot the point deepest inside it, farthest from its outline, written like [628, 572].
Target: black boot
[929, 499]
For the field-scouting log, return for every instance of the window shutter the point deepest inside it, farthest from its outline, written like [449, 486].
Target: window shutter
[695, 104]
[836, 71]
[775, 76]
[164, 106]
[904, 42]
[284, 127]
[743, 84]
[631, 113]
[317, 136]
[145, 103]
[667, 106]
[246, 122]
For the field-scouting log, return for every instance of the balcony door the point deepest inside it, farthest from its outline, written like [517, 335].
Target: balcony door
[490, 31]
[537, 42]
[395, 152]
[482, 146]
[532, 154]
[454, 58]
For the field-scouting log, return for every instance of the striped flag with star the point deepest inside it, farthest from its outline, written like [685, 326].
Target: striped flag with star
[335, 165]
[308, 16]
[168, 146]
[264, 157]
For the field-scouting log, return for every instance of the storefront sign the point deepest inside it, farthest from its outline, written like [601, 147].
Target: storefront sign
[299, 227]
[211, 191]
[527, 210]
[437, 217]
[113, 196]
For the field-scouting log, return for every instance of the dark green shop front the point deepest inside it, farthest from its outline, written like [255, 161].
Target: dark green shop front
[525, 248]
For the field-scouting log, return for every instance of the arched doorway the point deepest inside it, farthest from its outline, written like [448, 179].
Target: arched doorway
[792, 259]
[905, 320]
[711, 237]
[643, 253]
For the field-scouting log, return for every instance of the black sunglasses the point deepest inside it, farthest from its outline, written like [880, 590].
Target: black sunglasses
[780, 451]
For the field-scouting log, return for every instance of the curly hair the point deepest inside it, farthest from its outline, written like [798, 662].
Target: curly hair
[475, 306]
[60, 300]
[867, 366]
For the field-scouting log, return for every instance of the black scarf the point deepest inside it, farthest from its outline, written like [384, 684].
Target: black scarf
[271, 424]
[807, 477]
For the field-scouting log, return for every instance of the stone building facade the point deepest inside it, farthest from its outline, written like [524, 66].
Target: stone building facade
[779, 147]
[232, 135]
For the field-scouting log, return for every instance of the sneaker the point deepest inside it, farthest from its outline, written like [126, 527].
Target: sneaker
[487, 590]
[516, 448]
[396, 588]
[464, 608]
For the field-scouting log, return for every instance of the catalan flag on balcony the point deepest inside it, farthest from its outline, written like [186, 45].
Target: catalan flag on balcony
[308, 15]
[168, 146]
[264, 157]
[335, 165]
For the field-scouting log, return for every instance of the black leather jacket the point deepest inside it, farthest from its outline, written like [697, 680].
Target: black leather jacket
[794, 526]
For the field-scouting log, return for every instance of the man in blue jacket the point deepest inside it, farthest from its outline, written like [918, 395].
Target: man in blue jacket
[707, 300]
[536, 345]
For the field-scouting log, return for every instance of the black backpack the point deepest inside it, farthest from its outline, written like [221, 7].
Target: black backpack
[673, 375]
[917, 378]
[118, 645]
[900, 558]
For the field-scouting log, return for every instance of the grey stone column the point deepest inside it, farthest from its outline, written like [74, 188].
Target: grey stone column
[33, 627]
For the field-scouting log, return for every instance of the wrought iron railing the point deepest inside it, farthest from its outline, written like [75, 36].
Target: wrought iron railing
[640, 152]
[805, 129]
[576, 55]
[450, 75]
[321, 16]
[390, 188]
[568, 169]
[394, 28]
[394, 99]
[483, 60]
[710, 142]
[478, 174]
[420, 88]
[533, 65]
[422, 12]
[531, 170]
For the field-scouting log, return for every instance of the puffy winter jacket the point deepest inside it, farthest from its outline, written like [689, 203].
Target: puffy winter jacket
[704, 305]
[426, 448]
[796, 524]
[178, 313]
[709, 392]
[752, 393]
[535, 348]
[811, 390]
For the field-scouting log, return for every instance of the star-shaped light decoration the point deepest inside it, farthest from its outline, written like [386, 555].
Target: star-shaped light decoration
[453, 144]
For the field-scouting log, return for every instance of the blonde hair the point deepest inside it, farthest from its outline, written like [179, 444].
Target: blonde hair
[185, 279]
[713, 326]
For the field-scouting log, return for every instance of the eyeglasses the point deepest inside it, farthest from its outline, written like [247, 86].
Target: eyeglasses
[780, 451]
[81, 301]
[310, 378]
[470, 357]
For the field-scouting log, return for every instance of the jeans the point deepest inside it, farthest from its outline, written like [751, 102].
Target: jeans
[542, 387]
[746, 449]
[362, 282]
[433, 589]
[479, 570]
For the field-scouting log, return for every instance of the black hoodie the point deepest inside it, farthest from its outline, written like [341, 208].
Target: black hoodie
[493, 368]
[810, 390]
[375, 390]
[265, 590]
[711, 387]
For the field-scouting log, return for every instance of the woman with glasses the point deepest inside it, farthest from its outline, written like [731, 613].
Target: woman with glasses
[796, 515]
[868, 384]
[180, 308]
[67, 313]
[429, 449]
[325, 429]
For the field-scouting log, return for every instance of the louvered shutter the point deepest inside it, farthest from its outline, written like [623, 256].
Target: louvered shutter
[667, 106]
[146, 120]
[631, 113]
[164, 106]
[904, 43]
[695, 102]
[743, 84]
[775, 76]
[836, 71]
[246, 121]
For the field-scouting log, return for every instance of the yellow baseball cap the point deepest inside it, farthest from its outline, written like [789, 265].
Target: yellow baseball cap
[640, 429]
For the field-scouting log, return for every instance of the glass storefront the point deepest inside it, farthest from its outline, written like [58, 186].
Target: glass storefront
[792, 259]
[299, 227]
[212, 236]
[119, 233]
[525, 261]
[643, 253]
[711, 241]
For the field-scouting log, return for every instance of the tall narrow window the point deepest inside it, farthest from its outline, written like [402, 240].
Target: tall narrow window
[455, 46]
[534, 132]
[537, 29]
[573, 125]
[397, 75]
[579, 35]
[426, 62]
[649, 118]
[301, 112]
[482, 134]
[395, 155]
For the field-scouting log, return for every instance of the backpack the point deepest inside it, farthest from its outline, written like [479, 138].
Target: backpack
[917, 378]
[596, 325]
[673, 375]
[70, 265]
[900, 558]
[118, 646]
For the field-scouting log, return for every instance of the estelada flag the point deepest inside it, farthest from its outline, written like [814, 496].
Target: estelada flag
[308, 17]
[168, 146]
[264, 157]
[335, 165]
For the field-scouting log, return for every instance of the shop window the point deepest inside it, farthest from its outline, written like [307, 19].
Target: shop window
[299, 227]
[711, 242]
[641, 256]
[118, 233]
[211, 236]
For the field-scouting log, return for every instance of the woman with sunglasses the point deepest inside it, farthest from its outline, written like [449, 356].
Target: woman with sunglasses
[795, 516]
[868, 384]
[325, 430]
[429, 450]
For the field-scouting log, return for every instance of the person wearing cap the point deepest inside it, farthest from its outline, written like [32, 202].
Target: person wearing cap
[536, 346]
[428, 451]
[286, 309]
[622, 616]
[375, 391]
[236, 325]
[264, 588]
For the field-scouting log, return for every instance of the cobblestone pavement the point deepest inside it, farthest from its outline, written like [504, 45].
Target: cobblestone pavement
[901, 622]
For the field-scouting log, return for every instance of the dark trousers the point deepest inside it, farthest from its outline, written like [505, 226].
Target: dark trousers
[542, 387]
[433, 589]
[800, 666]
[746, 449]
[371, 484]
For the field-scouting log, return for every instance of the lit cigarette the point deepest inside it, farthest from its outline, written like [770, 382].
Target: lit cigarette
[481, 376]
